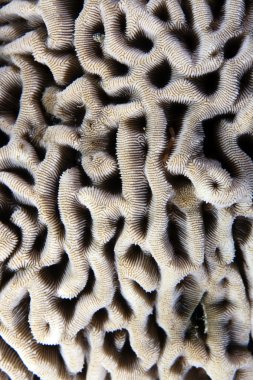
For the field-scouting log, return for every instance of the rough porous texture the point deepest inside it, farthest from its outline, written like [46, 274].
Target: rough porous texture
[126, 176]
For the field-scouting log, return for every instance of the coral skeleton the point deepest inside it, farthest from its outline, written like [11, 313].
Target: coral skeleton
[126, 180]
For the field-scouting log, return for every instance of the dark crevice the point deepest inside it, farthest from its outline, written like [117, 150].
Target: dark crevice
[197, 327]
[186, 7]
[6, 275]
[160, 75]
[112, 185]
[141, 42]
[4, 139]
[178, 365]
[188, 291]
[162, 13]
[236, 352]
[232, 47]
[10, 103]
[85, 214]
[66, 307]
[207, 84]
[137, 124]
[135, 256]
[122, 23]
[117, 68]
[121, 304]
[124, 96]
[21, 311]
[217, 8]
[39, 243]
[109, 246]
[126, 358]
[195, 373]
[241, 230]
[174, 113]
[208, 213]
[245, 83]
[112, 143]
[100, 317]
[156, 332]
[250, 344]
[23, 173]
[74, 114]
[245, 142]
[153, 372]
[75, 7]
[89, 286]
[211, 144]
[95, 46]
[149, 297]
[177, 235]
[187, 37]
[53, 274]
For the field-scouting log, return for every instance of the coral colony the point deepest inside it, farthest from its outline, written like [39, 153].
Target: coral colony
[126, 178]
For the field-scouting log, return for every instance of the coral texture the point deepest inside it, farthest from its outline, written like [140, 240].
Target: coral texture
[126, 178]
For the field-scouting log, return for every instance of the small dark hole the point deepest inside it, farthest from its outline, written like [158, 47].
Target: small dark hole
[162, 12]
[160, 75]
[141, 42]
[232, 47]
[4, 139]
[207, 84]
[187, 37]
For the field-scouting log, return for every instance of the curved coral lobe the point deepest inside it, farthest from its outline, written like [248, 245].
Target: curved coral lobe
[126, 178]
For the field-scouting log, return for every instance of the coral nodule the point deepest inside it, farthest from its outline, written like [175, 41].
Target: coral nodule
[126, 179]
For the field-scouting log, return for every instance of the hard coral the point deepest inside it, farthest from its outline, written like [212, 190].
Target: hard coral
[126, 181]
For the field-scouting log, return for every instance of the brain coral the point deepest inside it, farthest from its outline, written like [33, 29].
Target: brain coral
[126, 179]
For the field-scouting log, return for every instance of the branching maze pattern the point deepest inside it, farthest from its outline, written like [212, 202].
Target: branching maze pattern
[126, 178]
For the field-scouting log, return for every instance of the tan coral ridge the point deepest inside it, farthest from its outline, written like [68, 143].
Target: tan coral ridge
[125, 189]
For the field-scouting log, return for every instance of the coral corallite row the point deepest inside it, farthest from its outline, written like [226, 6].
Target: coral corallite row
[126, 179]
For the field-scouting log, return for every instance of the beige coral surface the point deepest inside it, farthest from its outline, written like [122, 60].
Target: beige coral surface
[126, 179]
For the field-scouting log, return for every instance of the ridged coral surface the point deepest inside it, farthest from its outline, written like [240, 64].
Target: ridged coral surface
[126, 178]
